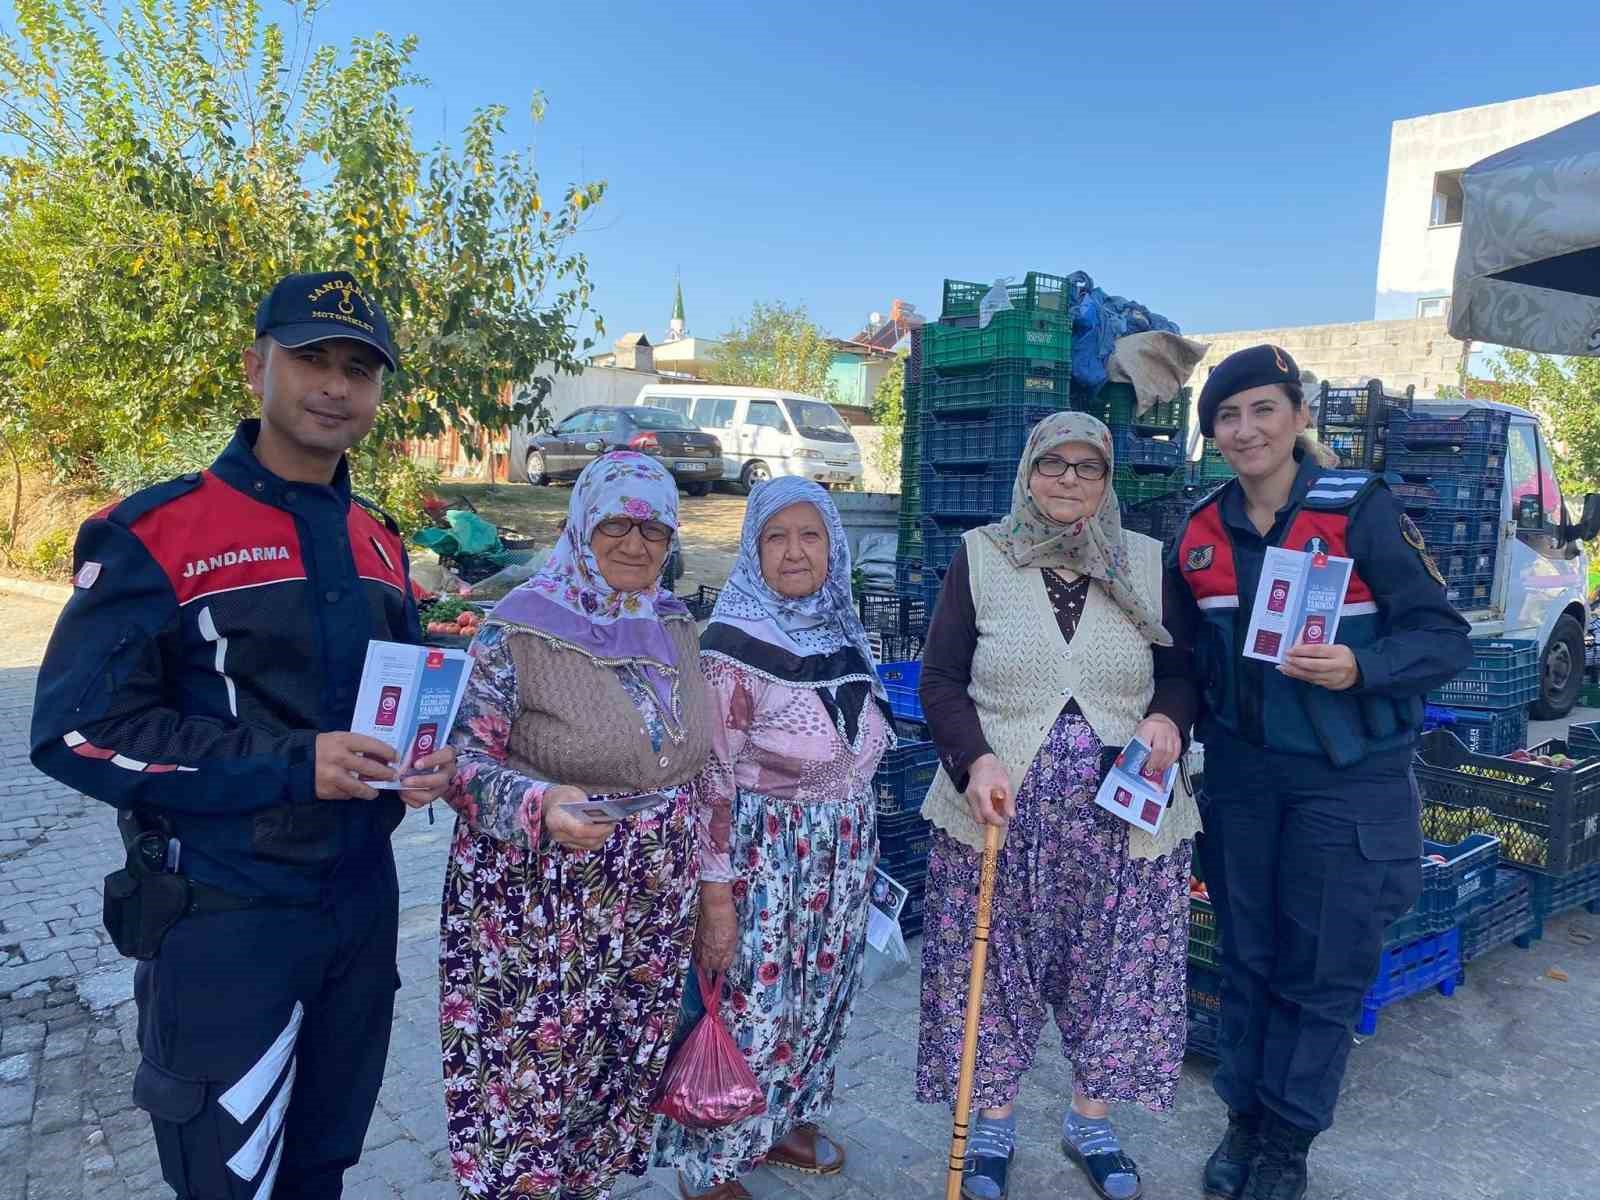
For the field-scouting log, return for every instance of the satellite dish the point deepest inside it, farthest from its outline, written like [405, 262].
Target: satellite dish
[875, 320]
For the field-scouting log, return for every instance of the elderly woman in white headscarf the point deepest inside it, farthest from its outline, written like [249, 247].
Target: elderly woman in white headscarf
[1047, 650]
[788, 850]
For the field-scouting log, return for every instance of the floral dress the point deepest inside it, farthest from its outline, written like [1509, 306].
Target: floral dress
[559, 973]
[793, 826]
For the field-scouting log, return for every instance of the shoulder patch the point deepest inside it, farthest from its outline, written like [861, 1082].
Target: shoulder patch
[127, 511]
[1339, 489]
[1414, 539]
[1199, 558]
[388, 521]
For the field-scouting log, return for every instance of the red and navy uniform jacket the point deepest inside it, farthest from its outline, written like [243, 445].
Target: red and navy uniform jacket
[218, 623]
[1405, 636]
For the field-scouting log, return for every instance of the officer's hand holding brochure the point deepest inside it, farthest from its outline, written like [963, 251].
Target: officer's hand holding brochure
[408, 700]
[1134, 791]
[1297, 602]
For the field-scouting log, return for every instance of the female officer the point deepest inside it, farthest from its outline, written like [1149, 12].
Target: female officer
[1311, 821]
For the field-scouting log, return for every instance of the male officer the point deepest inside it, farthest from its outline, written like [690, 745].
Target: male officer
[199, 680]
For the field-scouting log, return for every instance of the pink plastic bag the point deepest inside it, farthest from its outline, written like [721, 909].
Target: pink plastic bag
[707, 1083]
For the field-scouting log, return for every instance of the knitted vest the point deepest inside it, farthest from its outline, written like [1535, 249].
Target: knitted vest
[576, 725]
[1023, 674]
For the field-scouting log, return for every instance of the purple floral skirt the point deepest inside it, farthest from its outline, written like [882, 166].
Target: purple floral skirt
[1078, 930]
[559, 982]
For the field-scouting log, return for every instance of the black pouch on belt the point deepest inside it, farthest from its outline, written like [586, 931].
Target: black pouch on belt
[141, 905]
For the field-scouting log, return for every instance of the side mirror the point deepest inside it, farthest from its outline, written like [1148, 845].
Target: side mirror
[1530, 513]
[1589, 527]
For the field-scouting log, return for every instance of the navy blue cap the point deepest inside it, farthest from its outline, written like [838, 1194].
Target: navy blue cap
[302, 309]
[1241, 371]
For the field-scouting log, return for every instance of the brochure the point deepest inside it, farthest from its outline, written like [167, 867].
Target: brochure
[1133, 791]
[408, 699]
[1297, 601]
[885, 902]
[614, 807]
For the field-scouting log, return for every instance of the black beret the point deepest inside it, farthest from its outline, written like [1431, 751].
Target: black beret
[1241, 371]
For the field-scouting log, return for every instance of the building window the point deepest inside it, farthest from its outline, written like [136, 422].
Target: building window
[1446, 199]
[1433, 306]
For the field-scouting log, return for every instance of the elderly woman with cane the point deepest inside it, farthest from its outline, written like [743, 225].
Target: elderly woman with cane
[1047, 650]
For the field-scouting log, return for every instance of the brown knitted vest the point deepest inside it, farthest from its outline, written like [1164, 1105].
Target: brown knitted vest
[575, 724]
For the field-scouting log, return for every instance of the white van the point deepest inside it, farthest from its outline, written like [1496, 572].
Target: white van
[765, 433]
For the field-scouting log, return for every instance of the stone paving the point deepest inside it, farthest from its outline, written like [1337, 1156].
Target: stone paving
[1487, 1095]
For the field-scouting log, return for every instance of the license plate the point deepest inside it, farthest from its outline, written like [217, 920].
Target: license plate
[840, 477]
[691, 466]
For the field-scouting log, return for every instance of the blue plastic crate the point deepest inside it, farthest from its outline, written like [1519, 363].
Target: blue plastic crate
[1551, 895]
[1508, 917]
[980, 439]
[904, 839]
[1461, 884]
[904, 776]
[1435, 495]
[1139, 452]
[1204, 1008]
[1404, 971]
[939, 542]
[984, 494]
[1504, 674]
[1484, 428]
[1482, 730]
[1487, 460]
[900, 680]
[1459, 530]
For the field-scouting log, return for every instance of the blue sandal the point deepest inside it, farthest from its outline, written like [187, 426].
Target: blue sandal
[1101, 1167]
[986, 1176]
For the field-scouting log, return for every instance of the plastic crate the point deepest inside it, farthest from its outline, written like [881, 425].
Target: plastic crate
[904, 839]
[898, 647]
[1469, 593]
[904, 775]
[1451, 889]
[702, 602]
[1583, 739]
[1550, 896]
[1037, 335]
[1468, 560]
[940, 540]
[986, 494]
[983, 440]
[1452, 530]
[1504, 674]
[1406, 970]
[1485, 460]
[1023, 384]
[1203, 948]
[1482, 730]
[1050, 293]
[1471, 496]
[1361, 449]
[1140, 453]
[1163, 517]
[1135, 487]
[1365, 406]
[1116, 404]
[900, 680]
[1508, 917]
[1483, 429]
[1204, 1008]
[1210, 468]
[908, 575]
[891, 612]
[1547, 818]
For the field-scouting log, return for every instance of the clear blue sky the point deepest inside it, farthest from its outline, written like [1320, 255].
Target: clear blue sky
[1223, 163]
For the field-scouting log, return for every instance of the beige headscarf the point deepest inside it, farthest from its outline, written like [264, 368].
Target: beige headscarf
[1091, 546]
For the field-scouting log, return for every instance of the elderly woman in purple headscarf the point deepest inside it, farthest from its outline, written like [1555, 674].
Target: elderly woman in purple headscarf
[566, 933]
[786, 865]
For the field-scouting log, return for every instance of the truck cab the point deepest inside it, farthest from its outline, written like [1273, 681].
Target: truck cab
[1540, 568]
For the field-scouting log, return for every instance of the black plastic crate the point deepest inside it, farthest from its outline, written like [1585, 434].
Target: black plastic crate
[1365, 406]
[891, 612]
[1504, 674]
[1204, 1008]
[1143, 453]
[1508, 917]
[1163, 517]
[1492, 731]
[702, 602]
[1547, 818]
[980, 439]
[1553, 895]
[1360, 449]
[1023, 384]
[1482, 429]
[904, 776]
[899, 647]
[1117, 405]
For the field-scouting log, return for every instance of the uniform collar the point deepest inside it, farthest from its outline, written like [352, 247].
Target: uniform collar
[1233, 506]
[239, 467]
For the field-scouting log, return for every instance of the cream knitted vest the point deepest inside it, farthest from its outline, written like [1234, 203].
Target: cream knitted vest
[1023, 673]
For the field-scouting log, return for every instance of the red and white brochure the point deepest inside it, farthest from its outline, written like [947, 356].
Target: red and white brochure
[1298, 601]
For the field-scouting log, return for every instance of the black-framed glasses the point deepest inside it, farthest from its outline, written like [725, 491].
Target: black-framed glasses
[1090, 470]
[620, 527]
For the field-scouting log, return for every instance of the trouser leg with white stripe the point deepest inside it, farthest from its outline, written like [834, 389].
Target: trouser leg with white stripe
[264, 1035]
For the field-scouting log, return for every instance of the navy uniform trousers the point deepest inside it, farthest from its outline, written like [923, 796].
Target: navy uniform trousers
[264, 1034]
[1306, 867]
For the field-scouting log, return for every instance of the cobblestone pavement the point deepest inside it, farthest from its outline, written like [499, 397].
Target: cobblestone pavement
[1486, 1095]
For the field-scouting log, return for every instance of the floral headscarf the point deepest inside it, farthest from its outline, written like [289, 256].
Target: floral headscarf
[815, 641]
[568, 600]
[1092, 546]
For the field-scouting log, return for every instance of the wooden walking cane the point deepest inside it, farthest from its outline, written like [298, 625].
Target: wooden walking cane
[969, 1042]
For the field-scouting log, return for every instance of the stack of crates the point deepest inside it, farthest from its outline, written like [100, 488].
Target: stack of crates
[980, 392]
[908, 555]
[1151, 477]
[1451, 479]
[1352, 422]
[1486, 706]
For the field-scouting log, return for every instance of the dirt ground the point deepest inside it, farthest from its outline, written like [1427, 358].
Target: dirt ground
[709, 525]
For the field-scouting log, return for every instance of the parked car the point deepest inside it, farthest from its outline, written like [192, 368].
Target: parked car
[694, 458]
[765, 432]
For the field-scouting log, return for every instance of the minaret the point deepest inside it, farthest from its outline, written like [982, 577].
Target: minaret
[675, 329]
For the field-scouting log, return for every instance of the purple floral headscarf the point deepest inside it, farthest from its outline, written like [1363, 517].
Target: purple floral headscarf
[568, 600]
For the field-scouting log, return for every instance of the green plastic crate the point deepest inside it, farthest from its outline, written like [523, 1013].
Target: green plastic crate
[1010, 385]
[1018, 334]
[1212, 467]
[1114, 404]
[1134, 486]
[1037, 292]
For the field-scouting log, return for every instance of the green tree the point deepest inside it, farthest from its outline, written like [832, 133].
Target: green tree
[162, 163]
[1565, 393]
[888, 411]
[776, 346]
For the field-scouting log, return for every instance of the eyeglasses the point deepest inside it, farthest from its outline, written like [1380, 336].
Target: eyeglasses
[620, 527]
[1090, 470]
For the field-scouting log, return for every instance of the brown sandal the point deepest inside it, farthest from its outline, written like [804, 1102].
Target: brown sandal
[732, 1190]
[798, 1152]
